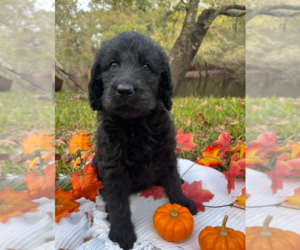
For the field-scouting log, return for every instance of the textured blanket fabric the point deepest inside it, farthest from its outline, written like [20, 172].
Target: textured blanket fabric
[72, 232]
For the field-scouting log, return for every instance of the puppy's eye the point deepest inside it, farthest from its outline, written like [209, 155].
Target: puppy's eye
[113, 65]
[146, 67]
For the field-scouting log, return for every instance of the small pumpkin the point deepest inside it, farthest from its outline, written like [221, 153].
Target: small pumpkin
[173, 222]
[217, 238]
[271, 238]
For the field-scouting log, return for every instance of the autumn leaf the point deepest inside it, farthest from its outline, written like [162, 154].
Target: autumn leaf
[231, 174]
[210, 157]
[85, 183]
[295, 199]
[79, 142]
[156, 191]
[64, 204]
[224, 143]
[15, 203]
[83, 157]
[252, 158]
[242, 198]
[265, 140]
[281, 170]
[295, 151]
[198, 195]
[186, 141]
[45, 157]
[38, 141]
[41, 183]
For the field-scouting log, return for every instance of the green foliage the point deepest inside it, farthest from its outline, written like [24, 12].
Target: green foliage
[273, 114]
[27, 34]
[220, 114]
[80, 31]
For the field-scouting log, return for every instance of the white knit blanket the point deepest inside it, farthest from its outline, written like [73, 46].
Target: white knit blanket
[88, 229]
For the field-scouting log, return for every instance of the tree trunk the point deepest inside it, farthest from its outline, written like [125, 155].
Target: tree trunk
[191, 37]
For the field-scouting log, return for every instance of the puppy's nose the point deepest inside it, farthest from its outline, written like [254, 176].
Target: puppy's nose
[125, 90]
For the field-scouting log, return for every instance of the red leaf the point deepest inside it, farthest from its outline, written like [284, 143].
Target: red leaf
[195, 192]
[282, 169]
[234, 171]
[156, 191]
[210, 157]
[41, 184]
[265, 140]
[85, 183]
[224, 142]
[186, 141]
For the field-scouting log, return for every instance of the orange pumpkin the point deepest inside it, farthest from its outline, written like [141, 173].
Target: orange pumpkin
[271, 238]
[173, 222]
[221, 238]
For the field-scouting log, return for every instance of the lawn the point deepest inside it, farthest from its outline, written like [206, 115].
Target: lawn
[21, 114]
[206, 118]
[265, 115]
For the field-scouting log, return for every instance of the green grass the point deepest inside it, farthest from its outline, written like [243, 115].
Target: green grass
[73, 114]
[21, 114]
[273, 114]
[24, 112]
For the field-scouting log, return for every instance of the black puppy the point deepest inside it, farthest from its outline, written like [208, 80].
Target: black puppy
[131, 88]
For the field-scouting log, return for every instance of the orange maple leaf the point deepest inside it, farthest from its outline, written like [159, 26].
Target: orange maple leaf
[45, 157]
[41, 184]
[242, 198]
[79, 142]
[295, 199]
[252, 158]
[198, 195]
[210, 157]
[83, 157]
[156, 191]
[231, 174]
[85, 183]
[186, 141]
[64, 204]
[295, 151]
[15, 203]
[39, 142]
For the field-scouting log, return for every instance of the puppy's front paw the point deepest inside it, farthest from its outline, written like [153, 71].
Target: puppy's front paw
[190, 205]
[123, 235]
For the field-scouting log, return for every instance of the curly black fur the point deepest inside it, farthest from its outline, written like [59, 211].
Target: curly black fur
[136, 137]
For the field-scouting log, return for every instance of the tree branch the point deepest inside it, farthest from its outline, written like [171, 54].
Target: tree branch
[232, 13]
[269, 11]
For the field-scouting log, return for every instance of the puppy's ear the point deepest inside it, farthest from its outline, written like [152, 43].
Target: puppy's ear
[166, 87]
[95, 88]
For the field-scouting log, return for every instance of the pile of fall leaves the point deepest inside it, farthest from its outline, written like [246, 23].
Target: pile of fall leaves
[230, 156]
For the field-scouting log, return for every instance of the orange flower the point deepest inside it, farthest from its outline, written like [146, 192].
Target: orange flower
[79, 142]
[39, 142]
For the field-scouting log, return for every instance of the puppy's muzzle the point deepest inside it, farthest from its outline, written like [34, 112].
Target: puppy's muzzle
[125, 91]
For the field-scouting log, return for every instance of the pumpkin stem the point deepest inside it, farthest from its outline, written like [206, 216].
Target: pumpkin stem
[265, 230]
[223, 231]
[174, 213]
